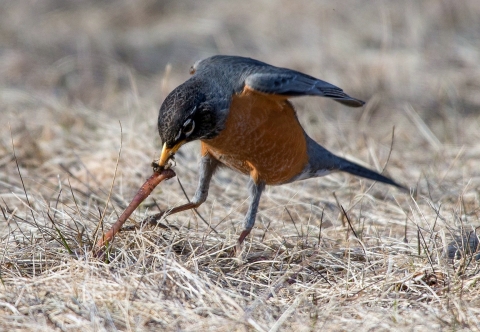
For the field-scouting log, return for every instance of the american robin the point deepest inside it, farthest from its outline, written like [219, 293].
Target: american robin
[239, 110]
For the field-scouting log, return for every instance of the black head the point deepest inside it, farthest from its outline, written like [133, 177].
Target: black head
[185, 116]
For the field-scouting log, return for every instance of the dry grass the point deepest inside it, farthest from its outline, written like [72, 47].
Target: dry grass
[81, 83]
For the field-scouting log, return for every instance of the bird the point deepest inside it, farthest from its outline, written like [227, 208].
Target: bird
[239, 109]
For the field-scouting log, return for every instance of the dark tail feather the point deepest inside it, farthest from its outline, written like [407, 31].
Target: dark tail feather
[320, 159]
[358, 170]
[350, 102]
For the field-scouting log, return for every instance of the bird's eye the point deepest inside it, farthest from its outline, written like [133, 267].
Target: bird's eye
[188, 127]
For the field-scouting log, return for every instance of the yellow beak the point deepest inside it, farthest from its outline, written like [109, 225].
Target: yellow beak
[167, 153]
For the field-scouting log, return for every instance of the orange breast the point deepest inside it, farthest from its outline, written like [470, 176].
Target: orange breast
[262, 138]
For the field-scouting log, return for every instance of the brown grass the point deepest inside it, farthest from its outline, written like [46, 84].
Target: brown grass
[81, 83]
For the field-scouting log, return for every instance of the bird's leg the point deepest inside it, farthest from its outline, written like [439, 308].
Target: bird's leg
[255, 190]
[206, 169]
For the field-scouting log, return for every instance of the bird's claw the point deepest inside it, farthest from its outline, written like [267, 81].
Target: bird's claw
[153, 219]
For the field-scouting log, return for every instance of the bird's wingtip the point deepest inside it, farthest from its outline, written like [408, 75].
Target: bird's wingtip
[350, 102]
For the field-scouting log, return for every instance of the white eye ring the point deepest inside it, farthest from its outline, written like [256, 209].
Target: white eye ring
[188, 123]
[178, 135]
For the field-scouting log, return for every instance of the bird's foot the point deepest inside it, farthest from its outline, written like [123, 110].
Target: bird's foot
[237, 250]
[152, 220]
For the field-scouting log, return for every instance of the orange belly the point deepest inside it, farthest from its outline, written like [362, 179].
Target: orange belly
[262, 138]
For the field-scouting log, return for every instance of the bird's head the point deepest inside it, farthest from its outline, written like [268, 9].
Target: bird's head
[185, 116]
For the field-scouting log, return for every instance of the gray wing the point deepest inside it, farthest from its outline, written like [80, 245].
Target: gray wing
[293, 84]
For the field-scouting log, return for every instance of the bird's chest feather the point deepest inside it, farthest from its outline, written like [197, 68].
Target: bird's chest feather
[262, 137]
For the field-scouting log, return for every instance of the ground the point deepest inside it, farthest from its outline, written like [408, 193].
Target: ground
[80, 87]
